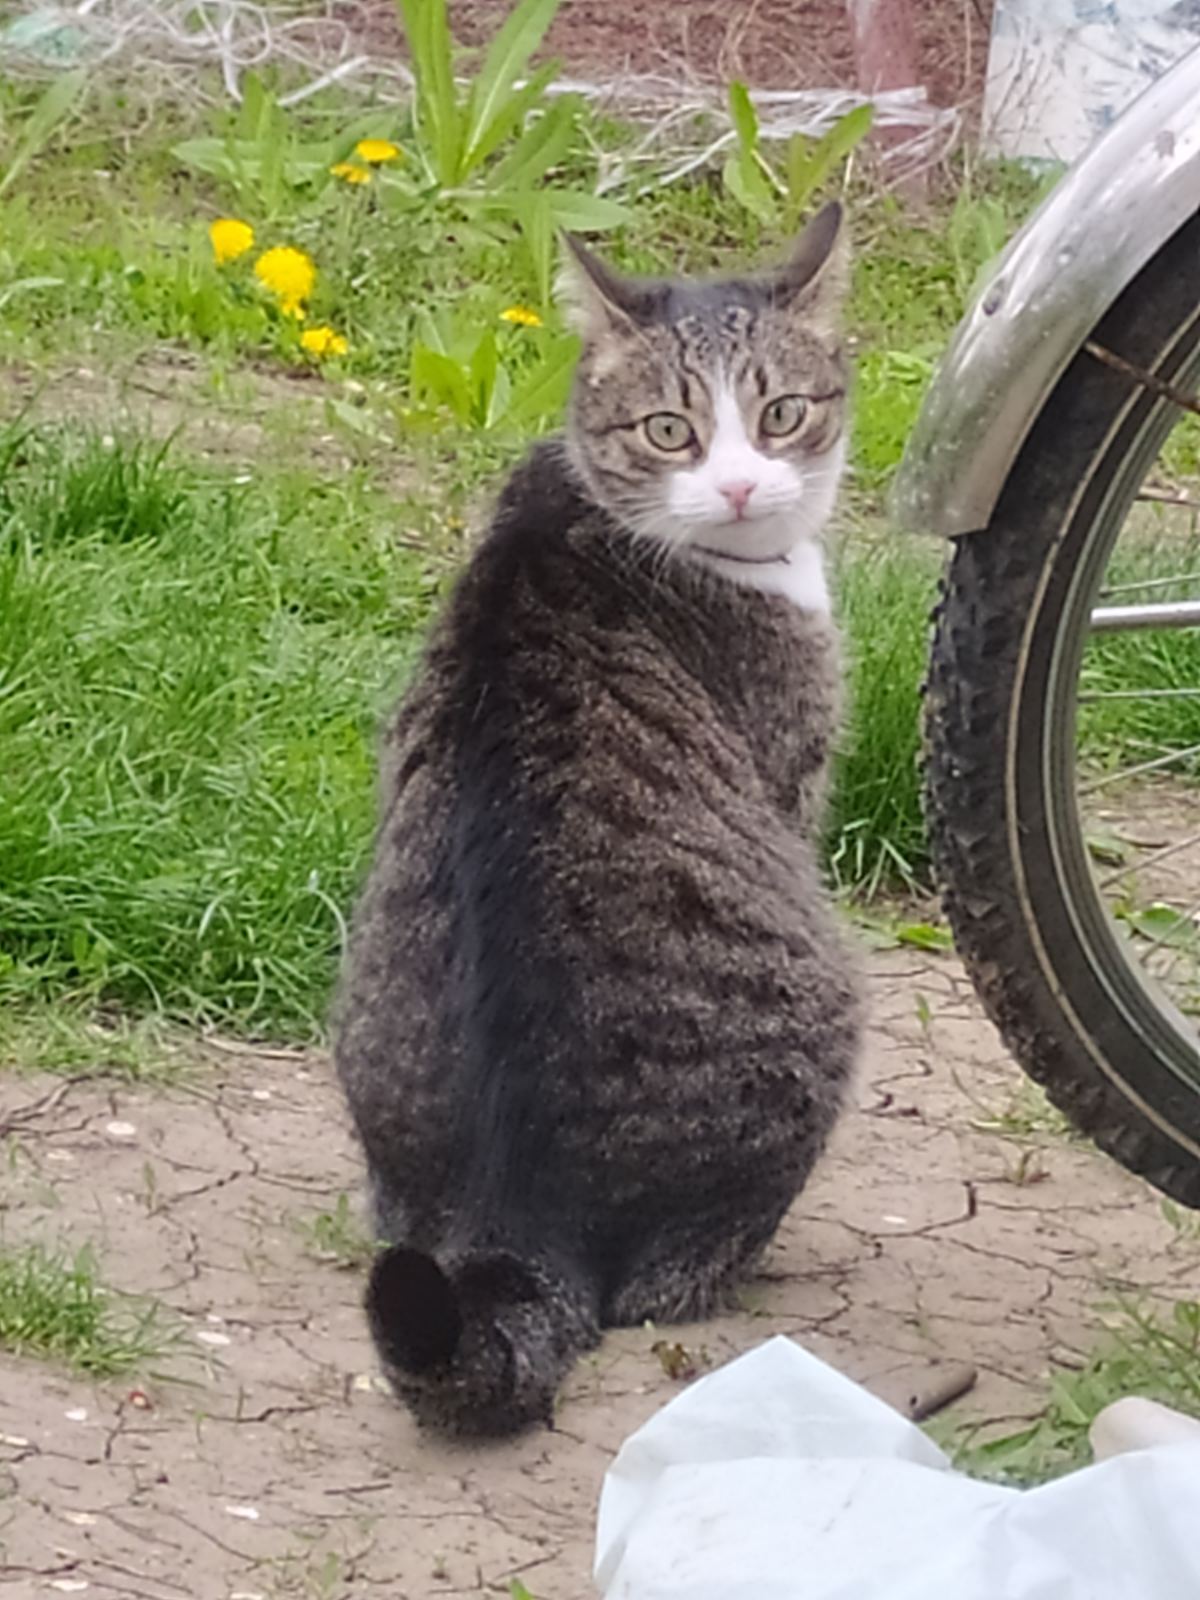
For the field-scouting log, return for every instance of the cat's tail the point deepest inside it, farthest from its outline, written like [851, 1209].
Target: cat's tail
[480, 1345]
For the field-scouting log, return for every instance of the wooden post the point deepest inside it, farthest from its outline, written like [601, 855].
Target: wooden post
[886, 57]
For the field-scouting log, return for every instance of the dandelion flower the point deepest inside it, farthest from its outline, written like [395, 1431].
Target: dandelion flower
[377, 151]
[350, 172]
[522, 316]
[289, 275]
[230, 238]
[323, 341]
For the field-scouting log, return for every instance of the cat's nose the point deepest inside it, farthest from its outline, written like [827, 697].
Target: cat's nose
[738, 495]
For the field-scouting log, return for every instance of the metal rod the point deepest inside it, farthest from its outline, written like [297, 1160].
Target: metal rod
[1152, 860]
[1096, 695]
[1147, 583]
[1155, 765]
[1166, 614]
[1148, 380]
[1158, 497]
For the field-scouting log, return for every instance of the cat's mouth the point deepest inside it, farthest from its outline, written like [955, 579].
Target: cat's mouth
[745, 561]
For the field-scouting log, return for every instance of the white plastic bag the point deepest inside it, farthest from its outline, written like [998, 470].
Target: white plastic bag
[778, 1479]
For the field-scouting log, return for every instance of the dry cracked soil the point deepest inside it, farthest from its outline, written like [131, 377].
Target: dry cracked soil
[261, 1457]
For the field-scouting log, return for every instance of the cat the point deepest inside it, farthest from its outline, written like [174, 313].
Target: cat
[596, 1019]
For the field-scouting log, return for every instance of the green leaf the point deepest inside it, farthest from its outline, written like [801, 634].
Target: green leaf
[516, 110]
[356, 420]
[51, 110]
[748, 187]
[256, 110]
[744, 117]
[429, 331]
[210, 156]
[586, 213]
[544, 392]
[482, 370]
[489, 101]
[1163, 925]
[1106, 848]
[437, 376]
[437, 117]
[536, 219]
[809, 163]
[924, 935]
[543, 144]
[501, 398]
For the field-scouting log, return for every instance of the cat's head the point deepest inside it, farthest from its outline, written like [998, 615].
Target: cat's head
[709, 416]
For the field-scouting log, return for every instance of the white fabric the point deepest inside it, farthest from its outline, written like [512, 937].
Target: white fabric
[778, 1479]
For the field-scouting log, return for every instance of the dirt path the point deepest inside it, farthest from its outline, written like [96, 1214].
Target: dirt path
[269, 1463]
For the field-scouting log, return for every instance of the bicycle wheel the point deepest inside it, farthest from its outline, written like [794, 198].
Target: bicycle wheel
[1062, 738]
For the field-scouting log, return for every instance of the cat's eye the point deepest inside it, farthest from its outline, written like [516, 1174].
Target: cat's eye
[783, 416]
[667, 430]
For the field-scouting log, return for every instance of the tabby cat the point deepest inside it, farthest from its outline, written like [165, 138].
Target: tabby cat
[597, 1019]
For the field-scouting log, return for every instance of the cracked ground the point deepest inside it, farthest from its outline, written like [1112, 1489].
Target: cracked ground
[259, 1456]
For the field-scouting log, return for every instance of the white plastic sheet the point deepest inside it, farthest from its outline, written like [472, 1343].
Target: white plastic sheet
[1059, 71]
[778, 1479]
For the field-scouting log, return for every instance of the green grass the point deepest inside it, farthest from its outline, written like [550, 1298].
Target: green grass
[57, 1034]
[54, 1305]
[876, 836]
[193, 671]
[337, 1236]
[1154, 1354]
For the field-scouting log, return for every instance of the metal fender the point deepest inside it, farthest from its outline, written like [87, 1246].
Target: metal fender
[1098, 227]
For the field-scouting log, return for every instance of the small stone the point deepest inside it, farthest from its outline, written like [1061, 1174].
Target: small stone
[260, 1094]
[247, 1513]
[76, 1414]
[59, 1155]
[897, 1222]
[120, 1130]
[69, 1585]
[209, 1336]
[15, 1440]
[80, 1519]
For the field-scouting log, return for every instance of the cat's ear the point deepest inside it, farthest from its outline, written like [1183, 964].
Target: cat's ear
[594, 296]
[814, 279]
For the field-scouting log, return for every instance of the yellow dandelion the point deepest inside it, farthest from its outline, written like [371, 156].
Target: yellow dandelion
[522, 316]
[323, 341]
[289, 274]
[377, 151]
[230, 238]
[350, 172]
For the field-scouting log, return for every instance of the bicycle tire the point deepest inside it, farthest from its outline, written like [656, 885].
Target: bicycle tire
[999, 749]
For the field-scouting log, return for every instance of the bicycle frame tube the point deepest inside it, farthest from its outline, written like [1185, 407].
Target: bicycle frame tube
[1102, 222]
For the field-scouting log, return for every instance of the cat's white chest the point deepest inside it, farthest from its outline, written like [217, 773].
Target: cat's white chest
[798, 577]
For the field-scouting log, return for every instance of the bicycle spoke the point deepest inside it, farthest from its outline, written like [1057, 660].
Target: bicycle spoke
[1143, 584]
[1156, 765]
[1165, 497]
[1163, 853]
[1096, 695]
